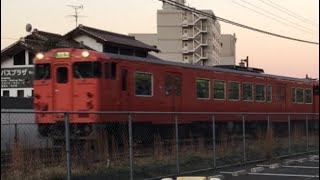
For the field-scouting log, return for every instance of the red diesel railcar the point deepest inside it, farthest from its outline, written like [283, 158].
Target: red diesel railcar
[88, 81]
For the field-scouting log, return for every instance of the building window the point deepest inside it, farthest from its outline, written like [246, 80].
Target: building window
[110, 49]
[219, 89]
[247, 92]
[203, 86]
[308, 96]
[143, 84]
[6, 93]
[260, 92]
[20, 93]
[233, 90]
[269, 93]
[141, 54]
[31, 56]
[125, 51]
[19, 59]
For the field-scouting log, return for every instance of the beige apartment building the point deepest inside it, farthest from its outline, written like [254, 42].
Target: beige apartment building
[184, 36]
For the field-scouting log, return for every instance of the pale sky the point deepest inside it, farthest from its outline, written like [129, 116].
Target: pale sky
[274, 55]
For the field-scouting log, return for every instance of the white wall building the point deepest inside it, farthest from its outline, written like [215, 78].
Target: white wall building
[228, 56]
[187, 37]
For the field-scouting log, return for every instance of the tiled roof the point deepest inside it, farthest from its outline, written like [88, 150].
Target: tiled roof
[35, 41]
[107, 36]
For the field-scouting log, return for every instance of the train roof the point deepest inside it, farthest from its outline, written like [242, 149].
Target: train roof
[256, 73]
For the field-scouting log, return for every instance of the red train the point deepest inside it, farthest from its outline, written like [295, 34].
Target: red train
[88, 81]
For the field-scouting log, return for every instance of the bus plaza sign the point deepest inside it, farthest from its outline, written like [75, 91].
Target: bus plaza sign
[17, 77]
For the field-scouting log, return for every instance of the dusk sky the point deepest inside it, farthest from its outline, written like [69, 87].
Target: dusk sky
[274, 55]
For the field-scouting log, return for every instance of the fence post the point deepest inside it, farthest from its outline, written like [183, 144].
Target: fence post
[214, 141]
[130, 146]
[177, 143]
[244, 139]
[307, 133]
[289, 133]
[68, 151]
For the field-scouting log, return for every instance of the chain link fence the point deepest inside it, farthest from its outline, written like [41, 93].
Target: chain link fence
[136, 145]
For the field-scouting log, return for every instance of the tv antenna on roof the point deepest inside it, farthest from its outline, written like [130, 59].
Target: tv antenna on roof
[76, 12]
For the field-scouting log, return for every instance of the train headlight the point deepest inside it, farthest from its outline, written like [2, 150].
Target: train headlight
[85, 54]
[40, 56]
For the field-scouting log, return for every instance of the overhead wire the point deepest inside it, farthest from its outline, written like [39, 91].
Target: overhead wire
[214, 17]
[292, 24]
[291, 13]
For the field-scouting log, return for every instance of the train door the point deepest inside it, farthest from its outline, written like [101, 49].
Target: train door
[173, 90]
[62, 89]
[124, 93]
[281, 96]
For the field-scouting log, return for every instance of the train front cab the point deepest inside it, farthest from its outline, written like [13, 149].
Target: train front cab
[67, 80]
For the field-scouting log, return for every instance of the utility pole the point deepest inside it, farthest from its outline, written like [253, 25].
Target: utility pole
[76, 11]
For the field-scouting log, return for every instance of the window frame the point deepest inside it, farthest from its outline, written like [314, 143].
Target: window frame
[224, 90]
[296, 96]
[239, 95]
[252, 91]
[311, 95]
[265, 92]
[269, 85]
[152, 83]
[209, 87]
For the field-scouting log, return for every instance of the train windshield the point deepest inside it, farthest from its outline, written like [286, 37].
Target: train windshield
[87, 70]
[42, 71]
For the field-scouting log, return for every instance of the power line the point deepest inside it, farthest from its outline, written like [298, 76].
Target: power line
[292, 24]
[187, 8]
[290, 13]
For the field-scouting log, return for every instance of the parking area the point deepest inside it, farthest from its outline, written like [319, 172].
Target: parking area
[299, 168]
[302, 168]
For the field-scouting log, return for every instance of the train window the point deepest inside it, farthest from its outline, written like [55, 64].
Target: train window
[111, 70]
[87, 70]
[233, 89]
[308, 96]
[299, 95]
[107, 70]
[218, 89]
[260, 92]
[203, 88]
[316, 90]
[293, 92]
[42, 71]
[168, 85]
[247, 92]
[62, 75]
[143, 84]
[124, 73]
[178, 86]
[269, 93]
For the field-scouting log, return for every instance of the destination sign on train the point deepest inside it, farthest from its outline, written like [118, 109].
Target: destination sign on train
[62, 55]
